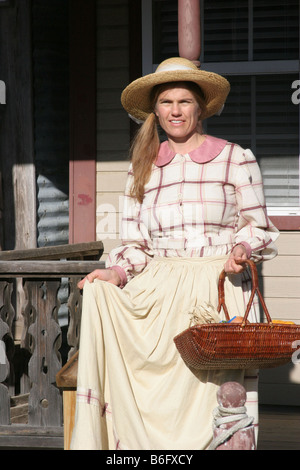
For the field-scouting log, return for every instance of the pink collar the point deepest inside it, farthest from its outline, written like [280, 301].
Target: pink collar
[207, 151]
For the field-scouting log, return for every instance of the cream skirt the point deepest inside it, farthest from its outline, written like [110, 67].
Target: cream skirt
[134, 391]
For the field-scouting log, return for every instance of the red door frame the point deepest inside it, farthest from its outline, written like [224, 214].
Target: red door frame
[83, 148]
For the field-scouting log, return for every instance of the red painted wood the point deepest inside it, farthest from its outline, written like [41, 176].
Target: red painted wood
[286, 222]
[82, 121]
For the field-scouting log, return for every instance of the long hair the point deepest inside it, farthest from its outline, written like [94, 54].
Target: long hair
[143, 153]
[146, 143]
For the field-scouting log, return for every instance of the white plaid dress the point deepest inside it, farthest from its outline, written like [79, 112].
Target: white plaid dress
[134, 390]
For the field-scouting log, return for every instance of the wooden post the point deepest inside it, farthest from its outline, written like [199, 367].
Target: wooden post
[16, 131]
[18, 207]
[83, 142]
[189, 39]
[233, 429]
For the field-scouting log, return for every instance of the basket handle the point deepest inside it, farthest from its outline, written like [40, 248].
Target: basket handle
[255, 289]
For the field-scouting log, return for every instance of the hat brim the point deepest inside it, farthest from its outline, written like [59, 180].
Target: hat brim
[136, 96]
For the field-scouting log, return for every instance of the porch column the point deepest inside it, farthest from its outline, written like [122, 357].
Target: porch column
[83, 148]
[189, 39]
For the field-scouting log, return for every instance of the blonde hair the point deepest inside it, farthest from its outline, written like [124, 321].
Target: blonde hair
[146, 143]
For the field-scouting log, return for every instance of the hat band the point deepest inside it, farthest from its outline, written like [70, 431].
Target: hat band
[173, 67]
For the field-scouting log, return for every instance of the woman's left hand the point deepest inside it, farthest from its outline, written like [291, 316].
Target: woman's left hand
[235, 263]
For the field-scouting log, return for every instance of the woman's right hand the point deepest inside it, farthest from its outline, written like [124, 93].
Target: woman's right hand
[107, 274]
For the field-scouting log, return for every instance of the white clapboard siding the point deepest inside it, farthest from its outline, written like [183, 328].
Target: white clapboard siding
[111, 180]
[281, 290]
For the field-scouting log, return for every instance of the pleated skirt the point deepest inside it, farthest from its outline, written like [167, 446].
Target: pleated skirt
[134, 392]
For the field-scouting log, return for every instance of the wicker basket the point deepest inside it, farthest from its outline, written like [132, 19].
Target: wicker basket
[238, 346]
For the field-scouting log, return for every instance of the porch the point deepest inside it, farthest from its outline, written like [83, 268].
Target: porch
[279, 430]
[31, 412]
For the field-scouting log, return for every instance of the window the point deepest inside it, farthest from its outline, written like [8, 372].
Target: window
[261, 115]
[255, 44]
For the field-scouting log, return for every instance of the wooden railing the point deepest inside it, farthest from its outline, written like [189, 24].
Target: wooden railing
[28, 367]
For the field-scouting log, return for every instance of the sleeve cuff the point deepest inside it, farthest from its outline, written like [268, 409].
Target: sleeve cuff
[248, 248]
[122, 275]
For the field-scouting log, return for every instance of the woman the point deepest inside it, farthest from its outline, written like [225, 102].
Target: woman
[193, 205]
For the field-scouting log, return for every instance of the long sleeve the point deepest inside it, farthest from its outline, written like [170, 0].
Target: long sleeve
[254, 228]
[196, 209]
[135, 251]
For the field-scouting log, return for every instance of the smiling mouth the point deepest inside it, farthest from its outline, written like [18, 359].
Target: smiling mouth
[173, 121]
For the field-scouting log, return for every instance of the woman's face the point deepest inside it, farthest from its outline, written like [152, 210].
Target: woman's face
[178, 112]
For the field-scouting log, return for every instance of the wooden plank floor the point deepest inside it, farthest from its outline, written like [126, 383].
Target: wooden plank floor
[279, 428]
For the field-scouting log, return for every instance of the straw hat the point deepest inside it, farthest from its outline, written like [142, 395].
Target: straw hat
[136, 96]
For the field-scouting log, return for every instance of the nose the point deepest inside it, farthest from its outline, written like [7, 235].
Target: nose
[176, 111]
